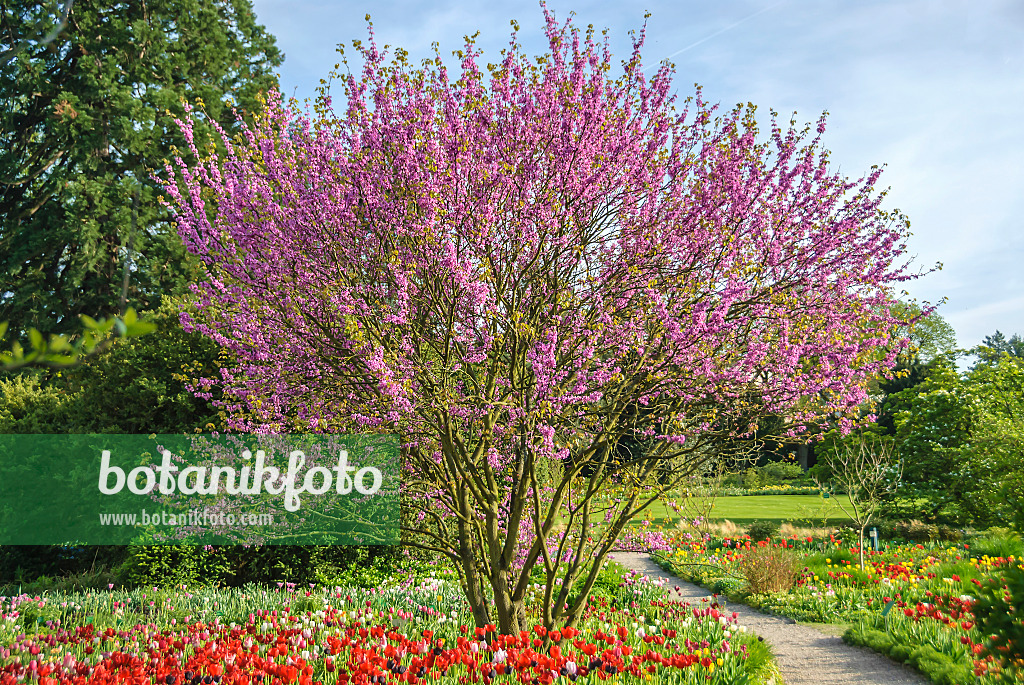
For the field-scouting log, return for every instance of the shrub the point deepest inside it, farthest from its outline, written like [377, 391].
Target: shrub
[772, 473]
[763, 530]
[900, 653]
[769, 569]
[820, 472]
[915, 531]
[28, 407]
[174, 565]
[138, 385]
[237, 565]
[99, 579]
[878, 641]
[998, 542]
[606, 586]
[24, 564]
[937, 666]
[999, 612]
[776, 472]
[726, 586]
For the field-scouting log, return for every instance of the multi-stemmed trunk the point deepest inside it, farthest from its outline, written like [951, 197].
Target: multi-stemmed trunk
[496, 590]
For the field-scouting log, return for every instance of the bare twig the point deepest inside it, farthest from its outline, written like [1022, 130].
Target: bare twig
[869, 472]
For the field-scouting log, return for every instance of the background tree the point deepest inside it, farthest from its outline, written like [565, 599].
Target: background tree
[996, 447]
[125, 385]
[961, 436]
[45, 32]
[62, 351]
[933, 422]
[501, 266]
[995, 345]
[930, 334]
[931, 338]
[136, 385]
[86, 117]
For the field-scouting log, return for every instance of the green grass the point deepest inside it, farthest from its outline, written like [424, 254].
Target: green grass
[796, 509]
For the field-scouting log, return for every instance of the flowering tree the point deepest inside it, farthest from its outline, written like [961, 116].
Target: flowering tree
[518, 267]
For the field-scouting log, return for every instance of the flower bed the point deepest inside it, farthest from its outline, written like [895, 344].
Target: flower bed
[911, 602]
[783, 489]
[408, 631]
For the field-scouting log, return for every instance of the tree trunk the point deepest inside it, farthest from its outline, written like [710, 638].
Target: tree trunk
[473, 581]
[511, 613]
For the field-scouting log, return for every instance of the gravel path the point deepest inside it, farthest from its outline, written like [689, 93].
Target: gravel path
[804, 654]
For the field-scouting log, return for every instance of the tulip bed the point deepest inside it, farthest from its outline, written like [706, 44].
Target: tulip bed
[412, 629]
[911, 602]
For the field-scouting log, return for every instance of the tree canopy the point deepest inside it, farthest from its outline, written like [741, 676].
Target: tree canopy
[930, 334]
[502, 265]
[961, 436]
[997, 344]
[87, 115]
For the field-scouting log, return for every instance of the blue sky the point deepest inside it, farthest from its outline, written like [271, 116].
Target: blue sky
[934, 89]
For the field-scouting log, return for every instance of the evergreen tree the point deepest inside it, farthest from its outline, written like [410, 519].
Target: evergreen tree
[88, 99]
[993, 347]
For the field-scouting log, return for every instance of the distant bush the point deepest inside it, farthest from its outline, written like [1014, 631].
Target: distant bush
[28, 407]
[769, 569]
[727, 586]
[237, 565]
[763, 530]
[22, 565]
[784, 489]
[771, 474]
[819, 472]
[915, 531]
[138, 385]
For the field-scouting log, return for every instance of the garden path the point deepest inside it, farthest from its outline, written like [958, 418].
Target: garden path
[804, 655]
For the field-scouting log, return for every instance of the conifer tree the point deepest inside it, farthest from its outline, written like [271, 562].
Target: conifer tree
[88, 96]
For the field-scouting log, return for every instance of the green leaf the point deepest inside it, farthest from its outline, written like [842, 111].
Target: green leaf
[132, 95]
[139, 328]
[59, 343]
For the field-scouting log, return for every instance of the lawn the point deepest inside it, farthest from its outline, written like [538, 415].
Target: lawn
[743, 510]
